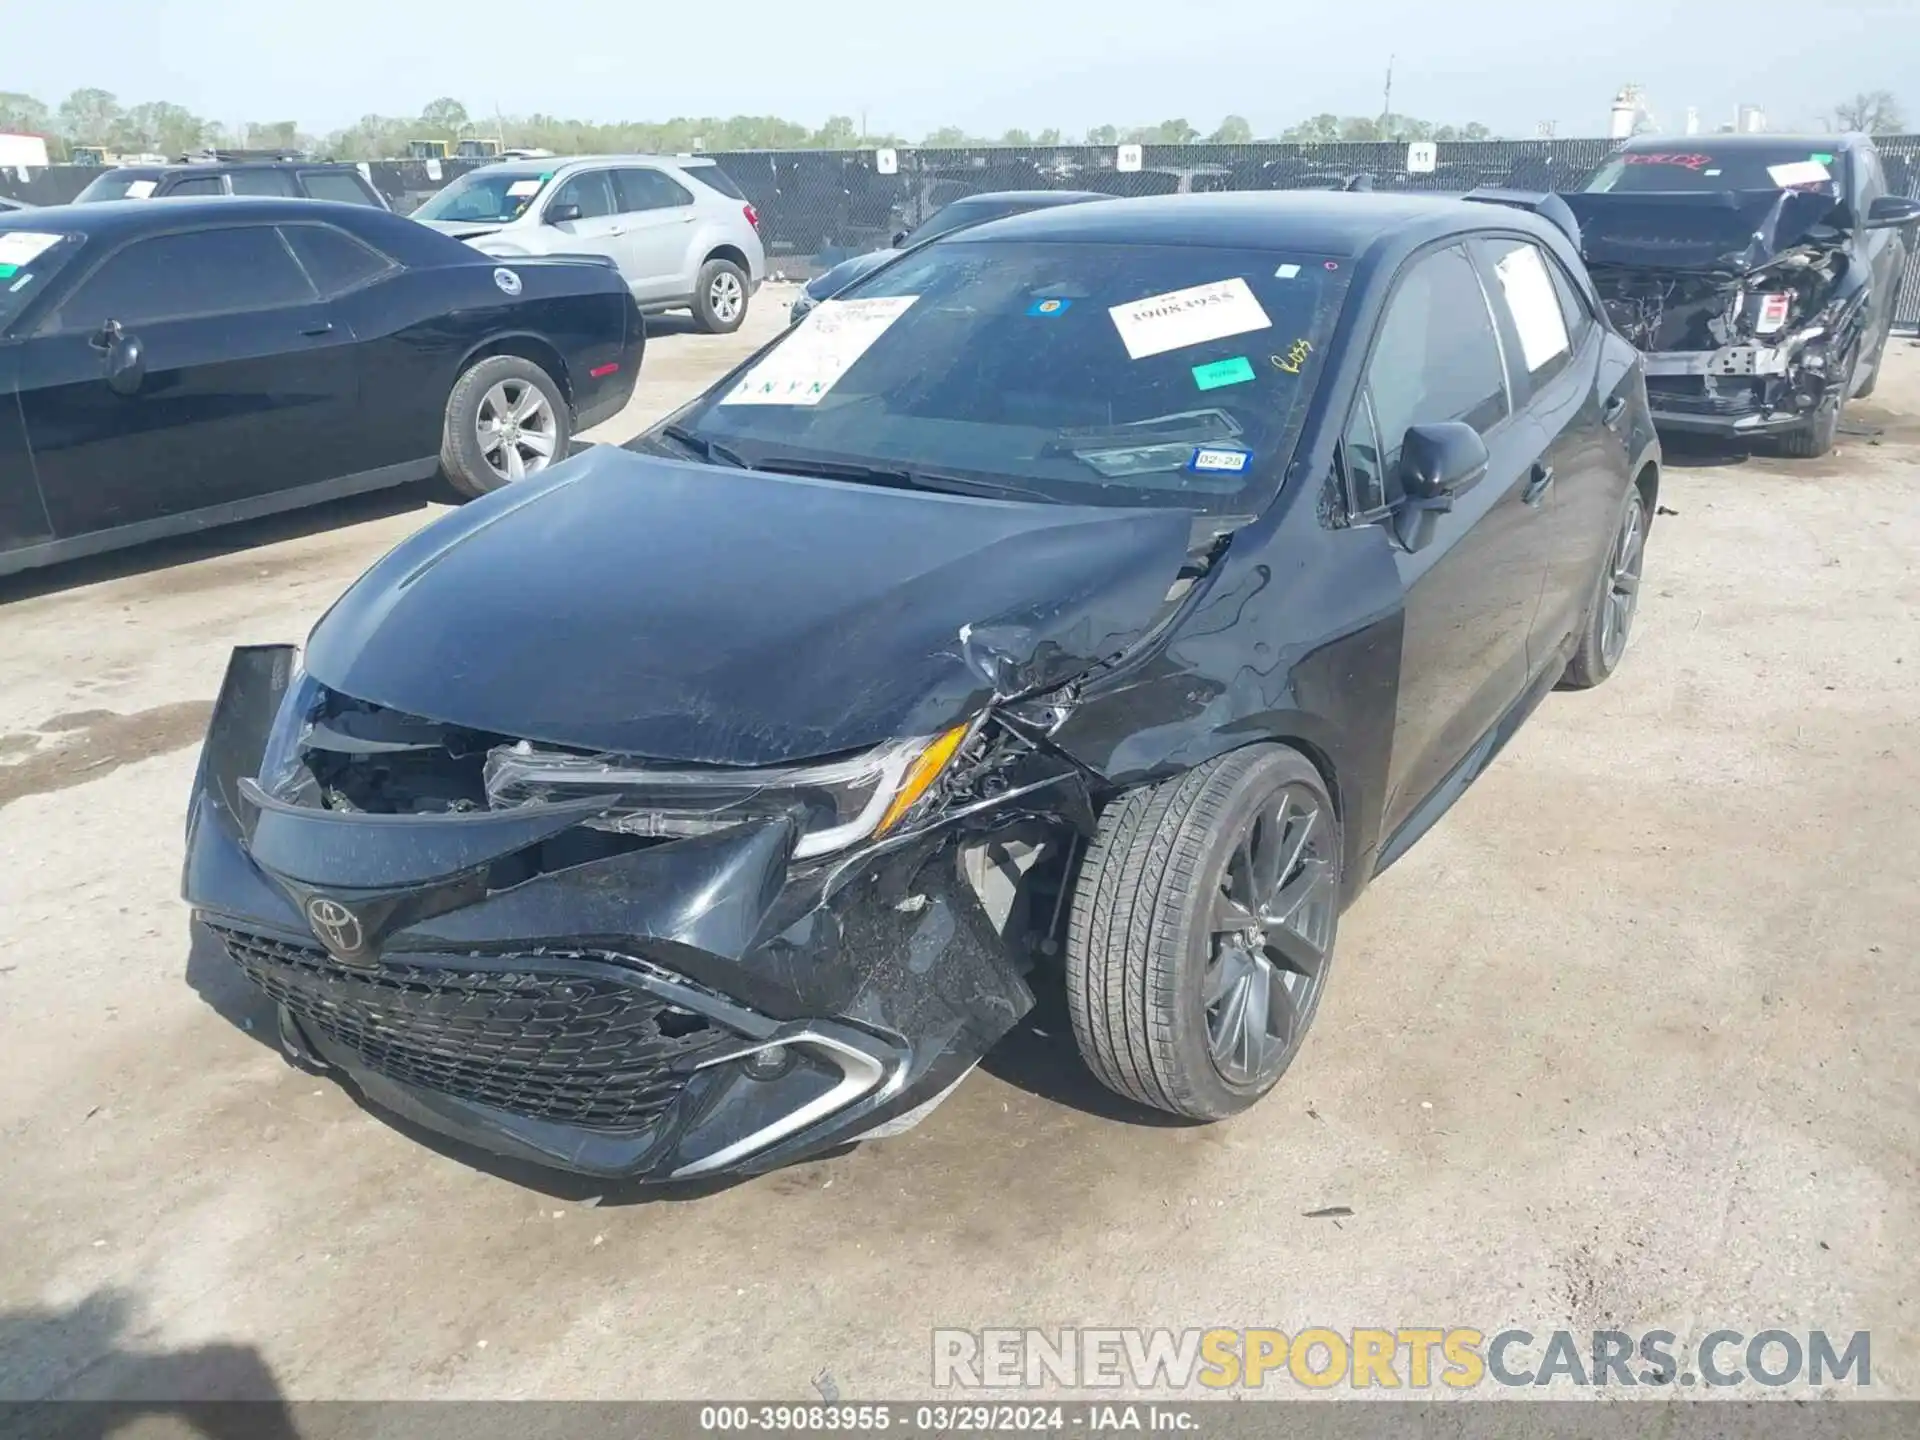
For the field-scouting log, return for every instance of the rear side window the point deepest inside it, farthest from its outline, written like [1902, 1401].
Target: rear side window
[1572, 305]
[197, 185]
[261, 182]
[203, 272]
[1526, 292]
[333, 259]
[1437, 357]
[590, 192]
[338, 185]
[650, 190]
[718, 179]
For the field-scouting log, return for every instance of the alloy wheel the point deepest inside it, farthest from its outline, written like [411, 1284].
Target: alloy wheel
[517, 429]
[1622, 594]
[1271, 927]
[725, 297]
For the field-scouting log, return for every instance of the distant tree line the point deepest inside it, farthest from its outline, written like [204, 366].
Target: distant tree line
[96, 117]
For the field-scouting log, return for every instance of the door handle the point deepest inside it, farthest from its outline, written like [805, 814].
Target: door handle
[322, 329]
[1537, 486]
[618, 230]
[1616, 407]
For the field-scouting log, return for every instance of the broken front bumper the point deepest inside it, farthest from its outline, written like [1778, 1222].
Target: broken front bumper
[693, 1008]
[1741, 389]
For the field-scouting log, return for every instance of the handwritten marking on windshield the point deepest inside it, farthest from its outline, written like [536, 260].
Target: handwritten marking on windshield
[1295, 357]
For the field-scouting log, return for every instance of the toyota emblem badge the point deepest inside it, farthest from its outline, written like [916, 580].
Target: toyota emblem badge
[337, 927]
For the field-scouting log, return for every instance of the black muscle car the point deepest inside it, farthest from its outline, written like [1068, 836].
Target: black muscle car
[169, 365]
[1759, 273]
[1098, 602]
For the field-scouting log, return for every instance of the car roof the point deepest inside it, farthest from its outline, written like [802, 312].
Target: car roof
[217, 167]
[1037, 199]
[1321, 222]
[553, 164]
[110, 218]
[1761, 140]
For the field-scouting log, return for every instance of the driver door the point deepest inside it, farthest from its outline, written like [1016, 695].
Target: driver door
[1472, 591]
[244, 385]
[597, 230]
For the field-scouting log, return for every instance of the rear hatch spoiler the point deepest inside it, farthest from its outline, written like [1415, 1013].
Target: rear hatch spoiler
[1544, 203]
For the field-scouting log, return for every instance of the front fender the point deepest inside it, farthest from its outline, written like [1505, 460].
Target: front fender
[1296, 641]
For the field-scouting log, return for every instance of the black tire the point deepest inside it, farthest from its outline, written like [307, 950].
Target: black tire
[466, 468]
[1599, 655]
[1815, 438]
[719, 281]
[1144, 940]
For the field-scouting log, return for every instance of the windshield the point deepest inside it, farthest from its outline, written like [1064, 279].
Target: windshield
[118, 185]
[495, 196]
[1703, 168]
[1086, 373]
[29, 259]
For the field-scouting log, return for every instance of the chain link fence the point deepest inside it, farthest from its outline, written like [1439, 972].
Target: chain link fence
[817, 207]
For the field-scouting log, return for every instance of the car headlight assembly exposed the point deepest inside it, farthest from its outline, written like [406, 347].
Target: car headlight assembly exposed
[281, 767]
[836, 803]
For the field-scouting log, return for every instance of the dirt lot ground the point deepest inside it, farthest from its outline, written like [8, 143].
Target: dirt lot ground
[1628, 1040]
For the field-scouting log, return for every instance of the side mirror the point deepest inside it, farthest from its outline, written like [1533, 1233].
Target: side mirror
[561, 214]
[1891, 211]
[126, 358]
[1437, 462]
[899, 239]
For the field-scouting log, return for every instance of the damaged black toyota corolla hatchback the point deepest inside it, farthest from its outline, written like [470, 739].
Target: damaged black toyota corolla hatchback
[1760, 273]
[1095, 600]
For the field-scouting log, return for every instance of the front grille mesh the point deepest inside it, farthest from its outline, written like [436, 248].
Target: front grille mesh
[574, 1048]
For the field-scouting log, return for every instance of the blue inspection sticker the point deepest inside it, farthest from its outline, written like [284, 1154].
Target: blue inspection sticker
[1048, 308]
[1219, 460]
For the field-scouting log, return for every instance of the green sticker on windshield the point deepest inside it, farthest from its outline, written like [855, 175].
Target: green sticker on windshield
[7, 272]
[1822, 159]
[1236, 371]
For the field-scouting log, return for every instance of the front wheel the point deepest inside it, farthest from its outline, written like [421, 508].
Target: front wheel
[1815, 438]
[506, 419]
[1202, 929]
[720, 297]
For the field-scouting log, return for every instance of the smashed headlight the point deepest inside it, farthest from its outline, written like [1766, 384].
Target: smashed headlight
[281, 768]
[835, 803]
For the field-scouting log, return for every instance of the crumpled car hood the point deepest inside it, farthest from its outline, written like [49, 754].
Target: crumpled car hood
[1736, 230]
[696, 613]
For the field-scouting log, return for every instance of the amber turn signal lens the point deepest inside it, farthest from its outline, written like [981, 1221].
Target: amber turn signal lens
[922, 773]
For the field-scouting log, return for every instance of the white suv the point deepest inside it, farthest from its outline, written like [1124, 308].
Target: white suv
[682, 233]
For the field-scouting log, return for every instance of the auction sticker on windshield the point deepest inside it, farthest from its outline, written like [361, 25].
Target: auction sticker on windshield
[819, 352]
[1799, 172]
[1192, 316]
[21, 247]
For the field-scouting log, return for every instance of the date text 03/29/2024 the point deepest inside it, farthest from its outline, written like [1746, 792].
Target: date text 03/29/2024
[949, 1419]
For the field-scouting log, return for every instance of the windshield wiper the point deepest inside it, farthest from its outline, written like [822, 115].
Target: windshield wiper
[900, 478]
[706, 449]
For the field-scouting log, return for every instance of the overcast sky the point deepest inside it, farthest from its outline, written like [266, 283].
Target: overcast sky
[982, 64]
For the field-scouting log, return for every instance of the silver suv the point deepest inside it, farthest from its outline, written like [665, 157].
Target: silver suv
[682, 233]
